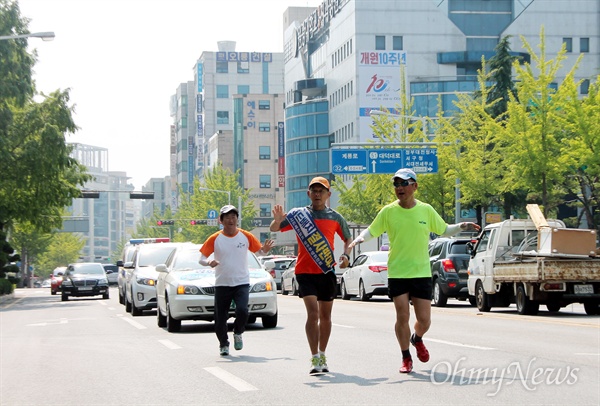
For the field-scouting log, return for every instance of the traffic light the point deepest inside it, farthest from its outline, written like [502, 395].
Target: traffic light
[198, 222]
[165, 222]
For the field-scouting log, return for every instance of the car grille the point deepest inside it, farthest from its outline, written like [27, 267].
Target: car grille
[85, 282]
[209, 290]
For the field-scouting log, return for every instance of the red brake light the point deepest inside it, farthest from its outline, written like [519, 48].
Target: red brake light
[378, 268]
[448, 265]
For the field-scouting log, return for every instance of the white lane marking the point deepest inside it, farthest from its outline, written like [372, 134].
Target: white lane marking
[477, 347]
[169, 344]
[133, 323]
[341, 325]
[231, 380]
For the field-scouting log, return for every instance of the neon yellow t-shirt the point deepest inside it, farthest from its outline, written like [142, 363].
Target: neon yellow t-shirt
[408, 231]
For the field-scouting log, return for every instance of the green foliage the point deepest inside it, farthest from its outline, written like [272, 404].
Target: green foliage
[63, 249]
[6, 287]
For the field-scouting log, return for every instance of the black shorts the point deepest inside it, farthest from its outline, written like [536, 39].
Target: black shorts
[415, 287]
[323, 285]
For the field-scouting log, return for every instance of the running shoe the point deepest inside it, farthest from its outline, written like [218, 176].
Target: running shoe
[224, 350]
[406, 367]
[422, 352]
[238, 343]
[315, 366]
[323, 363]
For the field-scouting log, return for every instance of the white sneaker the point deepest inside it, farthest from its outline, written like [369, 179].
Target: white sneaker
[315, 366]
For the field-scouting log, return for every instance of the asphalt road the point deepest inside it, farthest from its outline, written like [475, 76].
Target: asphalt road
[89, 351]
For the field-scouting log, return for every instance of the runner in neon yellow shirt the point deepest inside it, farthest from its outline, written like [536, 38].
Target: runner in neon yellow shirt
[408, 223]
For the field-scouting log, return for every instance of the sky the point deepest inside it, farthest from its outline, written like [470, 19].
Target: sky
[124, 59]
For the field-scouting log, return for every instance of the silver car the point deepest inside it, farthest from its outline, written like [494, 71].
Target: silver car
[185, 290]
[141, 275]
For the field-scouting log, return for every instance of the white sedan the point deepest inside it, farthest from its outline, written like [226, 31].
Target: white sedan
[366, 277]
[185, 290]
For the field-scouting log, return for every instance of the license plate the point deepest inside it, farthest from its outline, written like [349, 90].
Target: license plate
[584, 289]
[85, 288]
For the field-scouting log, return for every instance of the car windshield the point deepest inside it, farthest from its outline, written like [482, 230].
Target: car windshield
[154, 255]
[458, 248]
[281, 264]
[90, 269]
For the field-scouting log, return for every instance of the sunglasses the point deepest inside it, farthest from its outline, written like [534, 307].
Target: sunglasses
[403, 183]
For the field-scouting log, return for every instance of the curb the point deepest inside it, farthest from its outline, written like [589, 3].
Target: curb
[7, 298]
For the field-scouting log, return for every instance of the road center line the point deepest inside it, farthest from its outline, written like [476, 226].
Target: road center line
[231, 380]
[169, 344]
[132, 322]
[341, 325]
[477, 347]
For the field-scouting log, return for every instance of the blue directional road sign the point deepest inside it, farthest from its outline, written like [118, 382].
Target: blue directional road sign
[212, 214]
[381, 161]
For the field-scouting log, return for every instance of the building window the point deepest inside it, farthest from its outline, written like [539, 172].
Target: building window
[243, 67]
[264, 127]
[568, 44]
[264, 104]
[183, 122]
[585, 86]
[584, 45]
[222, 117]
[265, 181]
[222, 91]
[264, 152]
[222, 67]
[397, 43]
[265, 210]
[379, 42]
[243, 89]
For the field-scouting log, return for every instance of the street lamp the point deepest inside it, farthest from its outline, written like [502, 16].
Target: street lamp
[45, 36]
[422, 119]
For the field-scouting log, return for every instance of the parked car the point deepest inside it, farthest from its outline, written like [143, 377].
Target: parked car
[288, 280]
[112, 273]
[276, 266]
[367, 276]
[140, 289]
[449, 263]
[56, 279]
[185, 290]
[46, 283]
[84, 279]
[127, 256]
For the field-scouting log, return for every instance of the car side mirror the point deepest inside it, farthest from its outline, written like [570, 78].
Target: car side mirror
[161, 268]
[128, 264]
[269, 265]
[119, 263]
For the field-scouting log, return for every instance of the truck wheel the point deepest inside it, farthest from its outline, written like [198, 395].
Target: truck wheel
[591, 308]
[439, 298]
[524, 304]
[481, 298]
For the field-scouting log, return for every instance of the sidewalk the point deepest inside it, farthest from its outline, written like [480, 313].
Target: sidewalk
[7, 298]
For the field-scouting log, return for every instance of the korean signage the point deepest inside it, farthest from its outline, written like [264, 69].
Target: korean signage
[200, 125]
[281, 154]
[379, 85]
[251, 115]
[244, 56]
[200, 69]
[381, 161]
[317, 22]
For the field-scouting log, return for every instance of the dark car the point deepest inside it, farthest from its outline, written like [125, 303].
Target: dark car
[84, 279]
[449, 263]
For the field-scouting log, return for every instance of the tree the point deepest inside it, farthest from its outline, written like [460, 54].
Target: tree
[63, 249]
[534, 130]
[39, 178]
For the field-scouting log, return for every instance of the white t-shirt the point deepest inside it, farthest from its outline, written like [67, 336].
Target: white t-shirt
[232, 254]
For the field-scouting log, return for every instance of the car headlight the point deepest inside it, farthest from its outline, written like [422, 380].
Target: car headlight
[187, 290]
[67, 282]
[103, 282]
[262, 287]
[146, 281]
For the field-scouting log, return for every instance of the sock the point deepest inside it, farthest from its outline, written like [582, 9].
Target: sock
[406, 354]
[315, 356]
[321, 353]
[416, 338]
